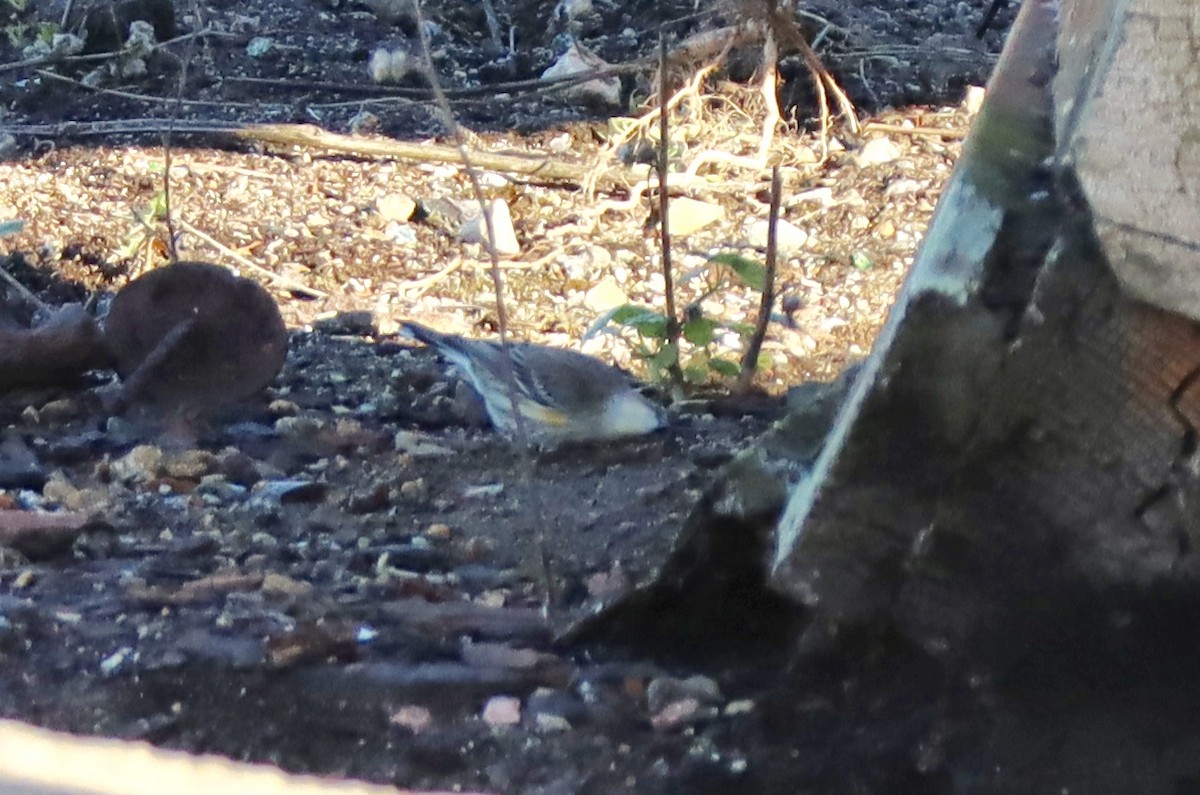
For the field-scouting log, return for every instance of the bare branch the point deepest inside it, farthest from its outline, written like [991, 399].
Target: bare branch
[664, 226]
[767, 302]
[456, 132]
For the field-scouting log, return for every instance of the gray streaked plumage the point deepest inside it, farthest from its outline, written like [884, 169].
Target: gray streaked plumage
[561, 394]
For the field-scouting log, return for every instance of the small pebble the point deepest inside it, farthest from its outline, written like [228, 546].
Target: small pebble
[551, 723]
[438, 532]
[502, 711]
[877, 151]
[413, 717]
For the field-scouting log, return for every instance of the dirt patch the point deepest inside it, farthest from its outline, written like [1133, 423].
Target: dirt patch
[344, 576]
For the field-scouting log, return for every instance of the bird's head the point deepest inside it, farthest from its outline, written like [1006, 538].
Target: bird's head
[627, 413]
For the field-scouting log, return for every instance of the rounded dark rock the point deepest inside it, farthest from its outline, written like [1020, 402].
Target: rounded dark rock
[195, 334]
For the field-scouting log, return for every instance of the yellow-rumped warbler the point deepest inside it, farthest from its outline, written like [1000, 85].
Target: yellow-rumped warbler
[562, 395]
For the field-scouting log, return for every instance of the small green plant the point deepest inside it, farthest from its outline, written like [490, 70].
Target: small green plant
[636, 144]
[144, 237]
[703, 360]
[862, 261]
[20, 30]
[23, 34]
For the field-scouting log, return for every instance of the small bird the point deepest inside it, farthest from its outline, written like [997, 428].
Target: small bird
[562, 395]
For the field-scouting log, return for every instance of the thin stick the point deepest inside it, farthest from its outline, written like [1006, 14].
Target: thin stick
[22, 291]
[767, 302]
[99, 56]
[165, 350]
[823, 112]
[540, 85]
[952, 133]
[172, 244]
[821, 75]
[989, 17]
[456, 132]
[151, 99]
[282, 281]
[533, 166]
[493, 24]
[769, 89]
[547, 572]
[664, 226]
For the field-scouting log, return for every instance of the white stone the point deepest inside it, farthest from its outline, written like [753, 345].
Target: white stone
[877, 151]
[502, 711]
[822, 196]
[561, 143]
[413, 717]
[973, 100]
[903, 187]
[547, 722]
[395, 207]
[789, 238]
[401, 234]
[691, 215]
[605, 295]
[576, 60]
[474, 229]
[391, 66]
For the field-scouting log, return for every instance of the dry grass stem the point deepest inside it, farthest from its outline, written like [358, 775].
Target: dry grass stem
[282, 281]
[456, 131]
[672, 337]
[767, 299]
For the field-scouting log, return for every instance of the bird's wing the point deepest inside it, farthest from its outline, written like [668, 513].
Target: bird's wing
[571, 378]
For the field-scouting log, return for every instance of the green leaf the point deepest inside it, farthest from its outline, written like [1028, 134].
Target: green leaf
[133, 242]
[651, 326]
[600, 323]
[724, 367]
[667, 356]
[740, 328]
[628, 314]
[753, 274]
[11, 227]
[644, 320]
[158, 206]
[618, 127]
[861, 261]
[695, 373]
[15, 34]
[700, 330]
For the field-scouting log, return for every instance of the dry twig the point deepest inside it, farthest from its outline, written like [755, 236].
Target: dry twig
[953, 133]
[767, 300]
[13, 66]
[283, 281]
[21, 290]
[489, 225]
[534, 166]
[672, 336]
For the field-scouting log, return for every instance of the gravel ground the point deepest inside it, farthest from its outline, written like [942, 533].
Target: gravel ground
[352, 574]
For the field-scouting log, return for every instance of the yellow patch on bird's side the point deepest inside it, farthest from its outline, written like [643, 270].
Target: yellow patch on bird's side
[544, 414]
